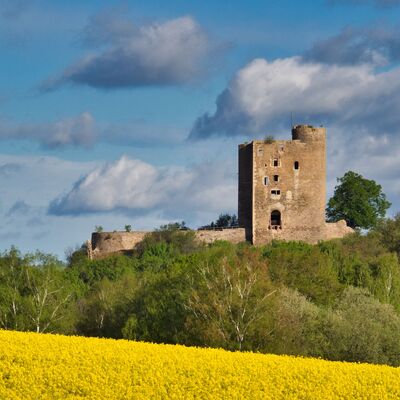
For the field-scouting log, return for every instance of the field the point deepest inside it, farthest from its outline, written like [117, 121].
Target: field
[35, 366]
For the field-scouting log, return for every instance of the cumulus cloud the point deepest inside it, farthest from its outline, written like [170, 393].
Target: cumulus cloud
[262, 95]
[357, 46]
[168, 53]
[75, 131]
[137, 188]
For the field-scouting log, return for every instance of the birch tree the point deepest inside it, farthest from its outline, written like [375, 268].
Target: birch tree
[232, 296]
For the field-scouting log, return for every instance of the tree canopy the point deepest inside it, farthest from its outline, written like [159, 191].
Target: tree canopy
[359, 201]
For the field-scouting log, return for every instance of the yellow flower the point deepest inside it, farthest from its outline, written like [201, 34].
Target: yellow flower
[37, 366]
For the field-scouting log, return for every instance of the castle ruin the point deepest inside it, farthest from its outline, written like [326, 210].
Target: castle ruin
[282, 195]
[282, 189]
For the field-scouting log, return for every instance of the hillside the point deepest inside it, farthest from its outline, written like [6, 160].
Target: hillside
[337, 300]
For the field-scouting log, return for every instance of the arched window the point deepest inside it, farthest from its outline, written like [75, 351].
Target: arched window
[276, 219]
[296, 165]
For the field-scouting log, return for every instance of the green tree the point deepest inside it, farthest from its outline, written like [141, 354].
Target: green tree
[230, 299]
[105, 308]
[359, 201]
[224, 221]
[361, 329]
[389, 231]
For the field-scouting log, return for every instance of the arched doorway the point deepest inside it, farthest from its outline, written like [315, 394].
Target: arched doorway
[276, 222]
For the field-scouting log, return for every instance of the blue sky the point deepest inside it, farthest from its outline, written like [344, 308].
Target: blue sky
[115, 113]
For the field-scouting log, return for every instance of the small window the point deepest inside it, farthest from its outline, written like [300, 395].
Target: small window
[276, 178]
[296, 165]
[266, 180]
[275, 192]
[281, 147]
[275, 162]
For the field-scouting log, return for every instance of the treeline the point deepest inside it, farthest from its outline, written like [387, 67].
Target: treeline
[339, 300]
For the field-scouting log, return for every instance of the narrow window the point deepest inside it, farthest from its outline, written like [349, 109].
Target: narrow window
[275, 192]
[266, 180]
[276, 162]
[276, 219]
[281, 147]
[296, 165]
[276, 178]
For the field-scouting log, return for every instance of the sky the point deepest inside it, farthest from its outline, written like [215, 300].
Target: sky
[117, 113]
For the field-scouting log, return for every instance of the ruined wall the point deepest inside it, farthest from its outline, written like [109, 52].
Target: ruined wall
[106, 243]
[298, 192]
[236, 235]
[301, 198]
[335, 230]
[288, 176]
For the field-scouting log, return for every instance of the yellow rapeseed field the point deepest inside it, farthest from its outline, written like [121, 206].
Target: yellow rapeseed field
[37, 366]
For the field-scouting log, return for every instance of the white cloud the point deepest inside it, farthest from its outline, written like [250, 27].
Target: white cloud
[263, 94]
[138, 188]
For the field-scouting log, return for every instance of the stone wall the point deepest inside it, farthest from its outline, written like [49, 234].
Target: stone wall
[285, 178]
[106, 243]
[236, 235]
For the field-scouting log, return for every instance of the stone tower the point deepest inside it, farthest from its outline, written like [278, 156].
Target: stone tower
[282, 188]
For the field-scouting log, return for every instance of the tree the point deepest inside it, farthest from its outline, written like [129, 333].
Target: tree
[389, 231]
[361, 329]
[224, 221]
[359, 201]
[230, 299]
[128, 228]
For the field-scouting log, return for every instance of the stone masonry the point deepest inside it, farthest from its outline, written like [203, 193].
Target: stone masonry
[282, 189]
[282, 195]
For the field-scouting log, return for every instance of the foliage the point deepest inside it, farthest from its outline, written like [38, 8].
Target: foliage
[168, 239]
[359, 201]
[297, 326]
[104, 310]
[98, 228]
[389, 233]
[231, 298]
[327, 300]
[303, 267]
[269, 139]
[362, 329]
[35, 294]
[224, 221]
[56, 367]
[128, 228]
